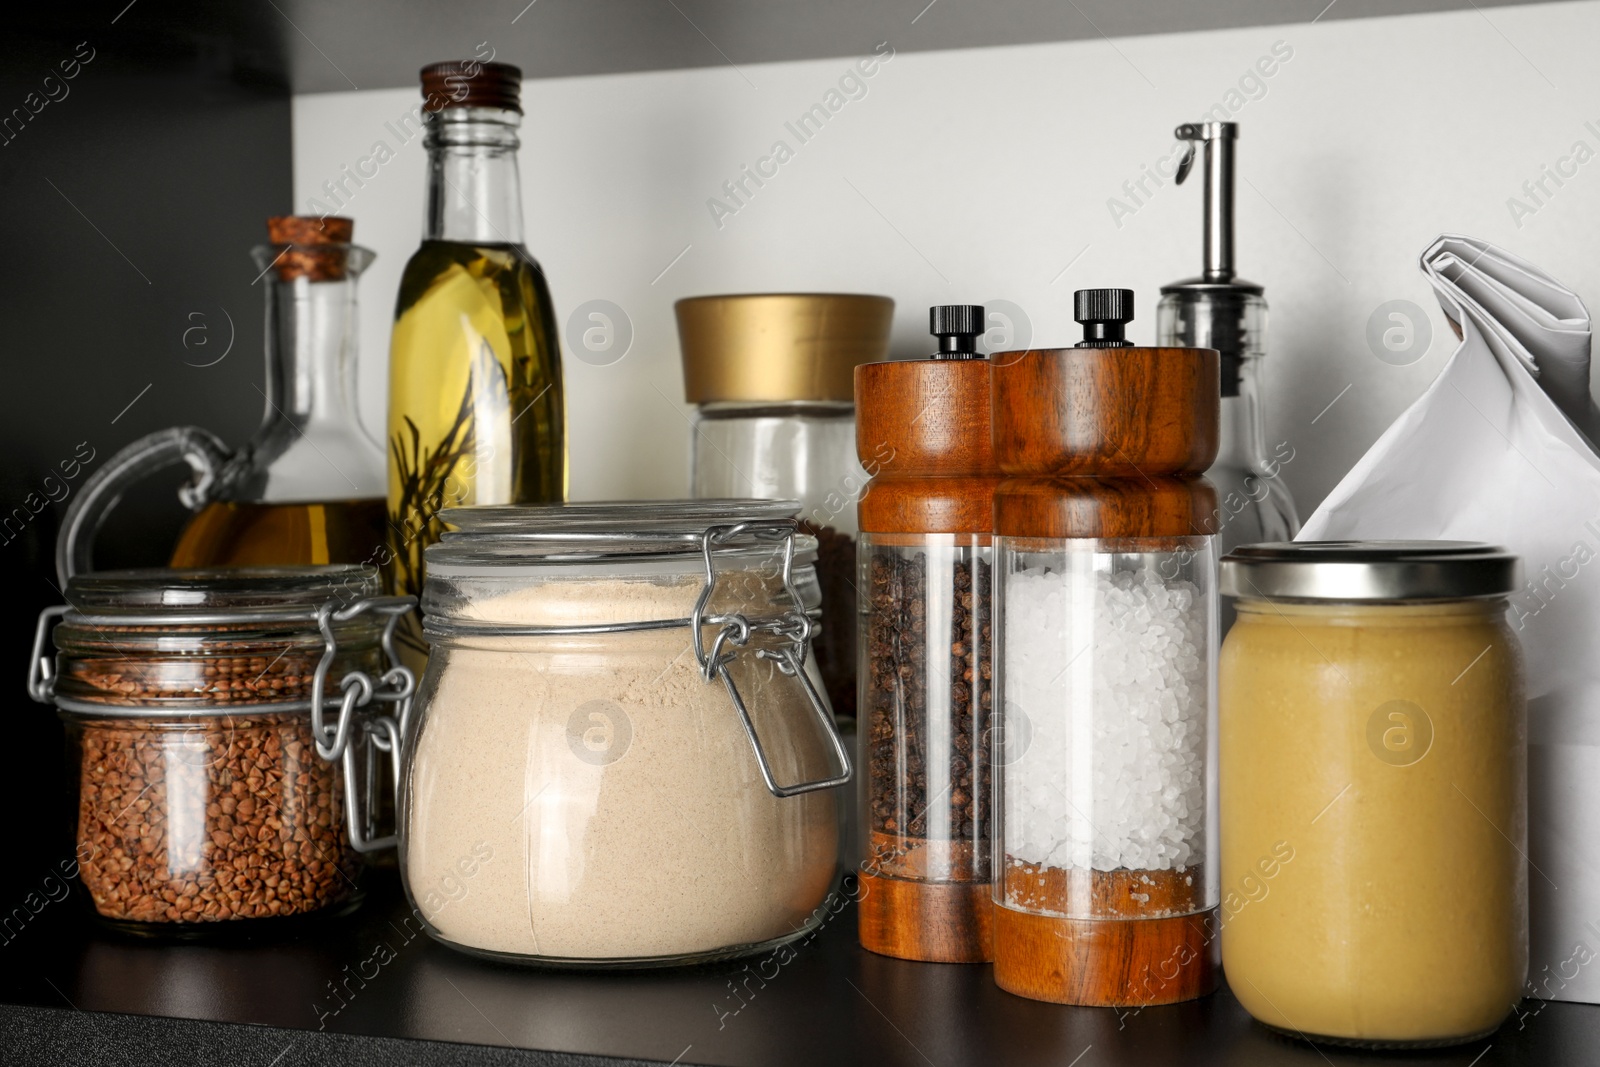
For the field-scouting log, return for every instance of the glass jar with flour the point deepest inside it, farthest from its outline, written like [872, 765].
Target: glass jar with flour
[621, 754]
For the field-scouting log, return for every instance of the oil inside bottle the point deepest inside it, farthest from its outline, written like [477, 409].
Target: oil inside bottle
[230, 533]
[475, 398]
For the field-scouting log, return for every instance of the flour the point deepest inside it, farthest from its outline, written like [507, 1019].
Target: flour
[617, 788]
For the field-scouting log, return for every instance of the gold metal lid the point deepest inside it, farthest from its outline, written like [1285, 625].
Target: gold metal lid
[779, 346]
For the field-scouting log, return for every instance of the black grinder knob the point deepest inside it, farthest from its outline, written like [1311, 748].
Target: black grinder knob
[958, 327]
[1105, 314]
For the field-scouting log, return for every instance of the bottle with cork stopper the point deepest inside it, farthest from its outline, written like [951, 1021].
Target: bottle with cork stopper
[477, 409]
[307, 488]
[925, 706]
[1105, 884]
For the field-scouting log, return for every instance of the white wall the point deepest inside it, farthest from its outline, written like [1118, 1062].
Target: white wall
[979, 175]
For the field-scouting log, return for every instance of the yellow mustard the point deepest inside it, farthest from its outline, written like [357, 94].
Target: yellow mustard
[1373, 806]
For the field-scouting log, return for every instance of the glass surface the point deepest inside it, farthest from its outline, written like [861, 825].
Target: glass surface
[926, 707]
[185, 825]
[308, 487]
[476, 401]
[592, 800]
[804, 452]
[1106, 773]
[232, 533]
[1374, 818]
[146, 590]
[1254, 505]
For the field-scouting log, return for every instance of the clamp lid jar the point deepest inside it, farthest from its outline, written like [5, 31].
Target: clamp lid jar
[621, 735]
[224, 732]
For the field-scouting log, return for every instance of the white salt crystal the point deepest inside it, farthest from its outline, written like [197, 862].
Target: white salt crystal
[1110, 670]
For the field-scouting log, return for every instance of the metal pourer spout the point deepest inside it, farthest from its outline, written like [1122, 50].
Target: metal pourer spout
[1219, 139]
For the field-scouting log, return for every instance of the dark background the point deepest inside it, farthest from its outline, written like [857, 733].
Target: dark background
[129, 204]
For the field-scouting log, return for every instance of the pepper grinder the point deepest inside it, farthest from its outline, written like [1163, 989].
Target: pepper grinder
[1105, 881]
[925, 702]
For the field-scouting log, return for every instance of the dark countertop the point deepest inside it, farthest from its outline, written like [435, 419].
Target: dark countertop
[70, 992]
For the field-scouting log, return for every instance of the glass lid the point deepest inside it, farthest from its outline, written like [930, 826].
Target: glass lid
[159, 590]
[607, 530]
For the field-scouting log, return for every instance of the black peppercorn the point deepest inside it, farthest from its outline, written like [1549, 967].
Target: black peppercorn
[928, 697]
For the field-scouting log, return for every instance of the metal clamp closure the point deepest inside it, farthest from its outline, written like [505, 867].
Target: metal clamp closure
[357, 691]
[42, 669]
[736, 630]
[396, 685]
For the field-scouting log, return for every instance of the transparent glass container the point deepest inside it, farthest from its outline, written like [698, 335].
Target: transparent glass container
[1253, 503]
[618, 759]
[803, 451]
[1106, 771]
[926, 706]
[771, 379]
[1374, 811]
[477, 403]
[307, 488]
[207, 797]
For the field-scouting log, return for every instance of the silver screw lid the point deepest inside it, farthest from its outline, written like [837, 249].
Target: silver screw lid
[1370, 571]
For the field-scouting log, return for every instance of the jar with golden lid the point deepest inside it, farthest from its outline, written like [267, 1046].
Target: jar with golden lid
[1105, 881]
[1374, 778]
[926, 703]
[769, 375]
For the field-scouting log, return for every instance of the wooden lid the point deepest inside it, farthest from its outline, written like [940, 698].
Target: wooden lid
[1105, 507]
[922, 432]
[1112, 412]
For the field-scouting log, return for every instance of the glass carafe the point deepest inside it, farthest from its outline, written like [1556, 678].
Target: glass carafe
[308, 487]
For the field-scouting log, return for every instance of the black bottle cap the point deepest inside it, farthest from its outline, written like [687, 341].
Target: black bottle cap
[958, 327]
[1105, 314]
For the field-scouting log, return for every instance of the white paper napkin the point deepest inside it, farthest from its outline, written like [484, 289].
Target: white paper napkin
[1498, 449]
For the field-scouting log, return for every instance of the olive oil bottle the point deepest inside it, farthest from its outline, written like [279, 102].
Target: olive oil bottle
[476, 405]
[308, 487]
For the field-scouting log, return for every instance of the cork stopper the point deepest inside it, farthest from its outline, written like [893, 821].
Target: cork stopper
[471, 83]
[316, 247]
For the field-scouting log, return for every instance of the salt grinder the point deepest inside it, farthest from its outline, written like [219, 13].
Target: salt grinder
[925, 703]
[1105, 886]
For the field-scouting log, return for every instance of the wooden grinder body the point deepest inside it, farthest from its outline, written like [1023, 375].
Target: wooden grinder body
[1104, 443]
[923, 433]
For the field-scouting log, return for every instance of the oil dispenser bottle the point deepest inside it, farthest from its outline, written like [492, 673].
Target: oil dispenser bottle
[1222, 311]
